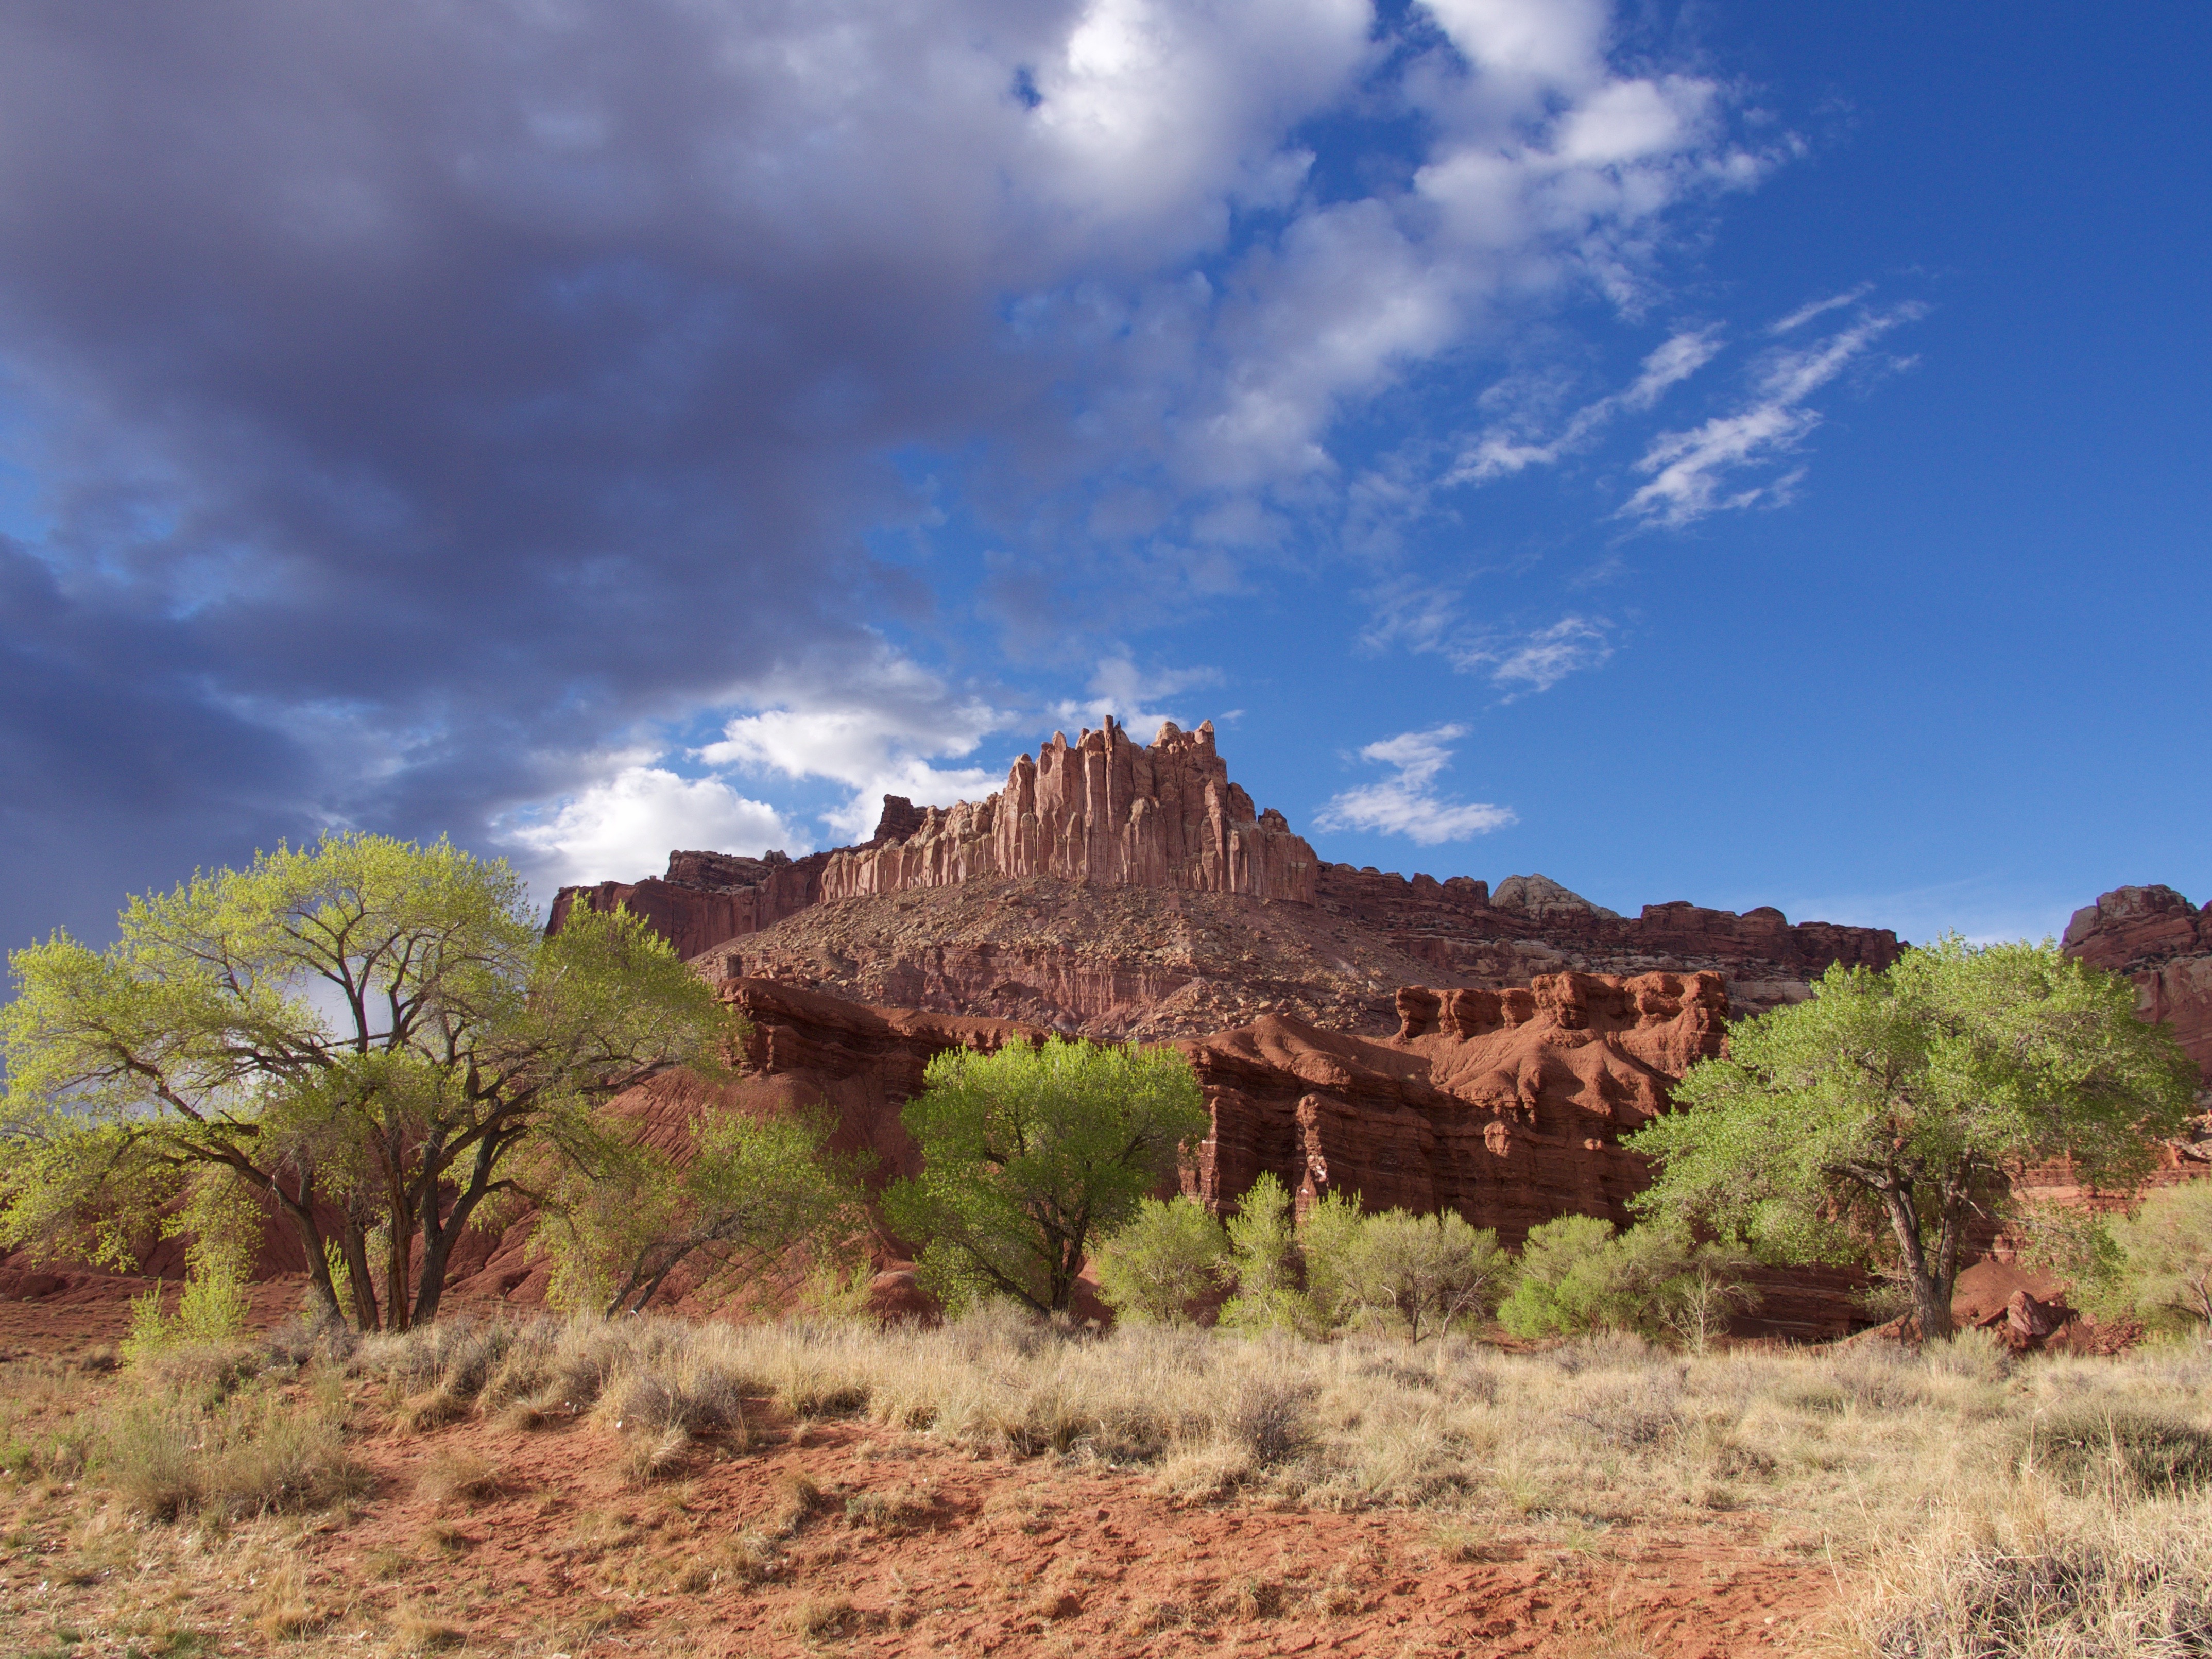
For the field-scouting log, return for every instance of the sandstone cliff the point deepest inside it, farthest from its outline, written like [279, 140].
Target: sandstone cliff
[2163, 943]
[1119, 890]
[1466, 935]
[1099, 812]
[706, 898]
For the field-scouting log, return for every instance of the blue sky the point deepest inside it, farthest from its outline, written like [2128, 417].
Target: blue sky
[1730, 453]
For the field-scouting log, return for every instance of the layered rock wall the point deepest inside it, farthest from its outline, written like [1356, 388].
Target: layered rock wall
[706, 898]
[1533, 925]
[1102, 812]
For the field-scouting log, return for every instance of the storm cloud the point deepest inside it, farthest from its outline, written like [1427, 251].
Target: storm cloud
[410, 408]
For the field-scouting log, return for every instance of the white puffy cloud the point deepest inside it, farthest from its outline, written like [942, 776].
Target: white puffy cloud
[1406, 803]
[875, 728]
[625, 826]
[1133, 695]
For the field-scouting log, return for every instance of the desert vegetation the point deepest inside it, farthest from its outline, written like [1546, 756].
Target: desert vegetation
[1954, 1500]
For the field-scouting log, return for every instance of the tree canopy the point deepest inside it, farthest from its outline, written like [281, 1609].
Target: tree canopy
[368, 1028]
[1028, 1153]
[1873, 1123]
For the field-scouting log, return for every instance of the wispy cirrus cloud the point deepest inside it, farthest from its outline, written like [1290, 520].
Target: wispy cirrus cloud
[1696, 472]
[1420, 618]
[1507, 449]
[1407, 803]
[1538, 660]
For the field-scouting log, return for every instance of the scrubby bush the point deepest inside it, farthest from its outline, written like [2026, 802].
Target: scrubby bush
[1340, 1266]
[1569, 1281]
[1577, 1275]
[1417, 1273]
[1170, 1255]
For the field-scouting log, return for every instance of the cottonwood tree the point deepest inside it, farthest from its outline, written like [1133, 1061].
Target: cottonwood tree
[1028, 1154]
[1873, 1122]
[366, 1030]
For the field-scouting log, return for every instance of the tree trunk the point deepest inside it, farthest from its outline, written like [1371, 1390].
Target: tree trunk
[311, 1246]
[353, 1244]
[1931, 1307]
[399, 1247]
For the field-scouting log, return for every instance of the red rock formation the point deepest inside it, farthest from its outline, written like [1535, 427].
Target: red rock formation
[2163, 943]
[1507, 1106]
[706, 898]
[1100, 813]
[1468, 937]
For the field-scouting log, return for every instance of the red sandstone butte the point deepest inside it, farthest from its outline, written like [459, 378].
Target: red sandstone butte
[2163, 943]
[1102, 812]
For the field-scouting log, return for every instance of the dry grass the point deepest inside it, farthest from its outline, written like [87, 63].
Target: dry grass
[2053, 1505]
[1971, 1504]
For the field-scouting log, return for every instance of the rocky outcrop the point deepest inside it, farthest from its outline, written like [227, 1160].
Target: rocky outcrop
[1467, 935]
[1102, 812]
[1505, 1105]
[706, 898]
[2162, 942]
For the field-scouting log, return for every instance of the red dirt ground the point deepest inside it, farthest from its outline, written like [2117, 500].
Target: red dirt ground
[910, 1547]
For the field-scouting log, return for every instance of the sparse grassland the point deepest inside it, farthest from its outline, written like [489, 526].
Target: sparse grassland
[537, 1488]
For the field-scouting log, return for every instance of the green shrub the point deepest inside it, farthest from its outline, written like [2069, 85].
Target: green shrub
[1569, 1280]
[1577, 1275]
[1264, 1263]
[2165, 1269]
[1418, 1274]
[1170, 1255]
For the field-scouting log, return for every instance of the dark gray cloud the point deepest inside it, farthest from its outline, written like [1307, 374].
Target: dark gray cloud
[417, 397]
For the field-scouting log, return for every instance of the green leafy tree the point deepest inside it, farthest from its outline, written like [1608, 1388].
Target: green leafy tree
[1172, 1253]
[1873, 1121]
[1328, 1252]
[367, 1028]
[737, 1197]
[1264, 1262]
[2165, 1267]
[1029, 1153]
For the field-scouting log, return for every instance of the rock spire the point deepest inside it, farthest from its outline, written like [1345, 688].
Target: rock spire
[1103, 813]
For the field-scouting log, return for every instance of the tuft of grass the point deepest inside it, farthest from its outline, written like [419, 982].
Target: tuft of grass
[283, 1609]
[2157, 1448]
[892, 1508]
[458, 1477]
[2025, 1572]
[241, 1457]
[797, 1500]
[423, 1629]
